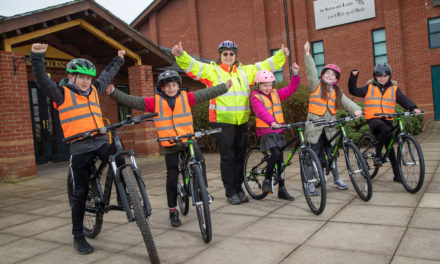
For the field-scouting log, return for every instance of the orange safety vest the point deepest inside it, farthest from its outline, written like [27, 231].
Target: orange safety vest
[375, 102]
[318, 106]
[170, 123]
[272, 106]
[79, 114]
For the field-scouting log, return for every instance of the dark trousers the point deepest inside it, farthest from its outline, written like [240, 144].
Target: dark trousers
[318, 148]
[172, 164]
[232, 143]
[382, 131]
[81, 165]
[276, 157]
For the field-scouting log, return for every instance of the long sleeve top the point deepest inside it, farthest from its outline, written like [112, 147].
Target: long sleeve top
[261, 112]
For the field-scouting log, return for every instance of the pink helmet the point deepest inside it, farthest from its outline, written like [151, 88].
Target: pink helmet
[264, 76]
[332, 67]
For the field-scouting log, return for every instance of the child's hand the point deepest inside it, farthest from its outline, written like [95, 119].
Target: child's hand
[228, 83]
[275, 124]
[285, 50]
[418, 111]
[110, 89]
[354, 72]
[307, 48]
[177, 49]
[358, 113]
[121, 53]
[39, 47]
[295, 69]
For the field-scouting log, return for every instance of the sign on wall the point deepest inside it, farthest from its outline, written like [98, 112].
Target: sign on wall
[330, 13]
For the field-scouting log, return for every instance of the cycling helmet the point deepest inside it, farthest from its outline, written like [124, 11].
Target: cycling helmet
[382, 69]
[264, 76]
[227, 45]
[168, 76]
[333, 67]
[82, 66]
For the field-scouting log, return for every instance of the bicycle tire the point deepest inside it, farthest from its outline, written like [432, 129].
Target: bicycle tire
[139, 213]
[368, 150]
[358, 172]
[412, 178]
[202, 204]
[254, 168]
[310, 163]
[182, 194]
[93, 219]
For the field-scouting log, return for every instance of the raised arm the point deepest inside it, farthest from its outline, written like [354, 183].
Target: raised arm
[109, 72]
[212, 92]
[272, 63]
[352, 85]
[136, 102]
[311, 72]
[287, 91]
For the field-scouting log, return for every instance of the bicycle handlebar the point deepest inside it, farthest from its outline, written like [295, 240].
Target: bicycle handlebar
[339, 121]
[391, 115]
[99, 131]
[197, 134]
[300, 124]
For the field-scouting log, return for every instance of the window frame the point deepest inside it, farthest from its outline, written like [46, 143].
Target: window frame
[432, 33]
[374, 43]
[319, 67]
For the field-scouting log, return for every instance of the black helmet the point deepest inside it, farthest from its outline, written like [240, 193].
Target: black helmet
[382, 69]
[82, 66]
[168, 76]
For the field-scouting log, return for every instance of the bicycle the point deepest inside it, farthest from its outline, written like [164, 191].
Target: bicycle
[410, 159]
[128, 182]
[193, 182]
[356, 164]
[312, 177]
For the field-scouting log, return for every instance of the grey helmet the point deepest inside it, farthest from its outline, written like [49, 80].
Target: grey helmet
[168, 76]
[382, 69]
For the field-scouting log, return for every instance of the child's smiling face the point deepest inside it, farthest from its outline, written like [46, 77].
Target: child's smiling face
[81, 81]
[265, 87]
[171, 88]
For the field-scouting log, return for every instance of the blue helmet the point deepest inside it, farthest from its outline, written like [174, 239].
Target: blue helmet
[227, 45]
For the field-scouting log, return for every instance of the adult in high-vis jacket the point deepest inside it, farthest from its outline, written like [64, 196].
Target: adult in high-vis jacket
[229, 111]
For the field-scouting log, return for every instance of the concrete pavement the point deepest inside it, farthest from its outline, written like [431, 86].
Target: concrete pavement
[393, 227]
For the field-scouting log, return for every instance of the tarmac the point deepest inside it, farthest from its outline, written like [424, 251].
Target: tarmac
[393, 227]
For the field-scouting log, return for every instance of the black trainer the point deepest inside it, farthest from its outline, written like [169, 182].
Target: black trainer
[234, 199]
[174, 218]
[283, 194]
[267, 186]
[243, 197]
[82, 246]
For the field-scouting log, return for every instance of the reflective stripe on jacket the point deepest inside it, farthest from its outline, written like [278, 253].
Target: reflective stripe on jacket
[319, 106]
[375, 102]
[272, 106]
[78, 113]
[175, 122]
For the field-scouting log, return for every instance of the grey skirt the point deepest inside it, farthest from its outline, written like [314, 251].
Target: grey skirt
[271, 140]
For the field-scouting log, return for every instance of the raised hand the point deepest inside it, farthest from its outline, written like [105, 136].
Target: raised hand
[177, 49]
[285, 50]
[110, 89]
[121, 53]
[295, 69]
[354, 72]
[39, 47]
[307, 48]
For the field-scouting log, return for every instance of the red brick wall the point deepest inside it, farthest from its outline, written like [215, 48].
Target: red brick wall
[17, 157]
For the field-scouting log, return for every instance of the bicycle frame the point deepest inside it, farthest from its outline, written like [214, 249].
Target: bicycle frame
[190, 160]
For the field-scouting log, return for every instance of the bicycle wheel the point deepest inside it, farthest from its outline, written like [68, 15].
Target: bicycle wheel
[92, 223]
[202, 204]
[139, 213]
[313, 181]
[368, 150]
[254, 169]
[358, 172]
[412, 164]
[182, 194]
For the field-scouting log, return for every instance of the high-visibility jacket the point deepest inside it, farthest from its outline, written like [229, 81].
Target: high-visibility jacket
[232, 107]
[170, 123]
[272, 106]
[319, 106]
[375, 102]
[79, 113]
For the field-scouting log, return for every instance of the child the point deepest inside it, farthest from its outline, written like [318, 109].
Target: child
[266, 103]
[170, 102]
[380, 96]
[326, 97]
[78, 105]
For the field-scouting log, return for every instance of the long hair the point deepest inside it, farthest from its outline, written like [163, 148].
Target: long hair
[324, 93]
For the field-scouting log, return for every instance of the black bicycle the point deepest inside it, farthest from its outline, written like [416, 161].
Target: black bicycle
[356, 165]
[410, 159]
[192, 181]
[312, 176]
[128, 181]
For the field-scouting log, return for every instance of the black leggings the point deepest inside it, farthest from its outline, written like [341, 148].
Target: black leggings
[276, 157]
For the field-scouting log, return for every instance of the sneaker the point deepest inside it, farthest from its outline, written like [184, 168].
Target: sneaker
[243, 197]
[340, 184]
[267, 186]
[312, 191]
[283, 194]
[174, 218]
[234, 199]
[81, 245]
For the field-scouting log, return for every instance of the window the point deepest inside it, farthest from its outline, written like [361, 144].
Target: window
[318, 55]
[434, 32]
[278, 73]
[379, 46]
[123, 110]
